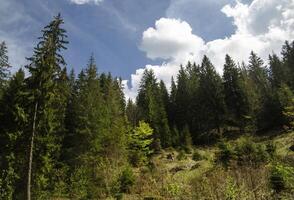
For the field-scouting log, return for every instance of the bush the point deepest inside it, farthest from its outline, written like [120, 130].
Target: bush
[249, 152]
[181, 155]
[126, 180]
[246, 152]
[197, 156]
[231, 191]
[173, 189]
[281, 177]
[226, 153]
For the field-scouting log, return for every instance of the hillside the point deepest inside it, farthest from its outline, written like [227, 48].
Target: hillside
[176, 175]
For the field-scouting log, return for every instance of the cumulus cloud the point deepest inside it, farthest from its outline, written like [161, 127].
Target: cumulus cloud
[80, 2]
[261, 26]
[175, 38]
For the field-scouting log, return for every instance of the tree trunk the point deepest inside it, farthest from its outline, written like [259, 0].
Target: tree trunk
[31, 153]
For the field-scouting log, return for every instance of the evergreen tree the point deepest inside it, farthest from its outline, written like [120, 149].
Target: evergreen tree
[45, 70]
[152, 109]
[12, 138]
[193, 115]
[182, 99]
[132, 113]
[265, 102]
[212, 106]
[288, 61]
[235, 97]
[140, 141]
[278, 72]
[172, 103]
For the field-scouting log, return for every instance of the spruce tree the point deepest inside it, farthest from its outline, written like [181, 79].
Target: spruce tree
[152, 109]
[212, 106]
[12, 138]
[45, 69]
[235, 97]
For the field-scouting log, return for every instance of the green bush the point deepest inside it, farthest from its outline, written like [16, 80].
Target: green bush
[281, 177]
[246, 152]
[249, 152]
[126, 180]
[231, 191]
[182, 155]
[226, 153]
[197, 156]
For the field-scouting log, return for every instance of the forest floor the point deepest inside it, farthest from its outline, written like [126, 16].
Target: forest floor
[173, 171]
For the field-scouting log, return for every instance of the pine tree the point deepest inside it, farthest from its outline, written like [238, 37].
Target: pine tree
[265, 103]
[45, 69]
[182, 99]
[193, 115]
[172, 103]
[12, 138]
[152, 109]
[278, 72]
[288, 62]
[235, 97]
[212, 106]
[132, 113]
[140, 141]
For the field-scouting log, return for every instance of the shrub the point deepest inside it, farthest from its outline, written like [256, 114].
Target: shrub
[181, 155]
[226, 153]
[126, 180]
[231, 191]
[249, 152]
[281, 177]
[173, 189]
[197, 156]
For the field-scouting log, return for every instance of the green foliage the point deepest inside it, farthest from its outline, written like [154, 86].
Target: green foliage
[85, 131]
[182, 155]
[152, 108]
[173, 189]
[245, 152]
[79, 184]
[139, 144]
[251, 153]
[197, 156]
[226, 153]
[126, 180]
[281, 177]
[231, 192]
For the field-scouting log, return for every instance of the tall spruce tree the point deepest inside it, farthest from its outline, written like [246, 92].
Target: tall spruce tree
[212, 105]
[235, 97]
[45, 70]
[152, 109]
[13, 138]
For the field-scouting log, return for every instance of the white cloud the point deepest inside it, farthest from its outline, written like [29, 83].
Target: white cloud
[80, 2]
[175, 38]
[261, 26]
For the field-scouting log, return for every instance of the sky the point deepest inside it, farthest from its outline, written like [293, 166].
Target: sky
[128, 36]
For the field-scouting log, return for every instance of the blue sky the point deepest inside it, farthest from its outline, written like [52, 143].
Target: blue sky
[111, 30]
[127, 36]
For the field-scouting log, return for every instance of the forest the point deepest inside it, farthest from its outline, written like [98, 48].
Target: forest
[74, 136]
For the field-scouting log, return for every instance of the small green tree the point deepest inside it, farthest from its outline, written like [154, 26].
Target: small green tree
[140, 141]
[286, 101]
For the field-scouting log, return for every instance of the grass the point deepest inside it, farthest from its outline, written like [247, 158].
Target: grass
[172, 178]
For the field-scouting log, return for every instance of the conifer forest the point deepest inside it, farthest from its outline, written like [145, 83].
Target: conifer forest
[67, 134]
